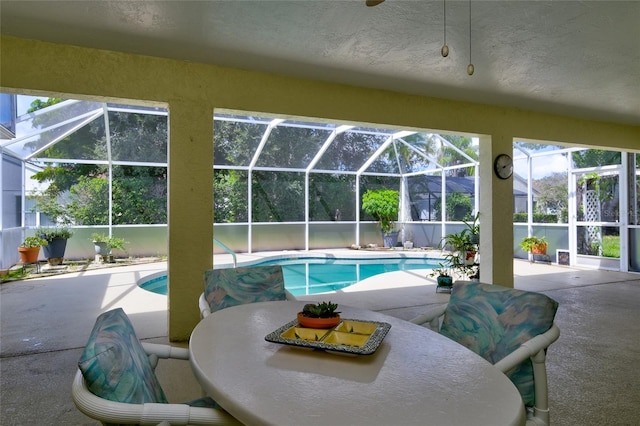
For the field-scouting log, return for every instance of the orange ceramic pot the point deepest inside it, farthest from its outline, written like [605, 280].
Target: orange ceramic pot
[309, 322]
[539, 249]
[29, 254]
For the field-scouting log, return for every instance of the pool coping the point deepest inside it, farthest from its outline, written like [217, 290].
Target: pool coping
[337, 254]
[226, 260]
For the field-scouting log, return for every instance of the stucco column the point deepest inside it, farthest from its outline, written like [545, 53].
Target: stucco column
[496, 214]
[190, 211]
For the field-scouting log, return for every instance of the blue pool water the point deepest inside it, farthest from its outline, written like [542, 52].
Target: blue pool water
[309, 275]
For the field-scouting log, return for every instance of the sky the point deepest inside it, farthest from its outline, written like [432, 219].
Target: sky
[24, 103]
[547, 165]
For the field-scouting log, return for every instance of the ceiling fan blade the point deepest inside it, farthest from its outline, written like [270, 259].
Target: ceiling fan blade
[373, 2]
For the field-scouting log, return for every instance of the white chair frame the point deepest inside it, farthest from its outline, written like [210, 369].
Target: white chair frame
[108, 411]
[535, 349]
[205, 309]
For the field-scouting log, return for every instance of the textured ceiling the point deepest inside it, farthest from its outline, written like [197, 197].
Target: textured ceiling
[577, 58]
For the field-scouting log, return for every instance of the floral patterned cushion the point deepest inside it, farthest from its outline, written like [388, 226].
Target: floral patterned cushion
[493, 321]
[236, 286]
[115, 365]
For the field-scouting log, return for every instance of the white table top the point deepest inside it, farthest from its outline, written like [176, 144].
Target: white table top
[415, 377]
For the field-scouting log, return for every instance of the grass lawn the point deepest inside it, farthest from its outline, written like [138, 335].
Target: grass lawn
[611, 246]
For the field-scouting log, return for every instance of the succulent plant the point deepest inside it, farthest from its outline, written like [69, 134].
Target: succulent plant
[320, 310]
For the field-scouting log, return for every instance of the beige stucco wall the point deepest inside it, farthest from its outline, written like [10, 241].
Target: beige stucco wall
[192, 91]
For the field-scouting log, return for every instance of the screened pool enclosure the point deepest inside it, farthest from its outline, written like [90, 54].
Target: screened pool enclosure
[279, 183]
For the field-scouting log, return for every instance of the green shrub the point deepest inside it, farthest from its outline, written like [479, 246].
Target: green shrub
[50, 233]
[611, 246]
[34, 242]
[537, 218]
[383, 205]
[528, 243]
[112, 242]
[520, 217]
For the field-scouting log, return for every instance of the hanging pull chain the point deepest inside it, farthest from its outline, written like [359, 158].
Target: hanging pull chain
[470, 67]
[445, 48]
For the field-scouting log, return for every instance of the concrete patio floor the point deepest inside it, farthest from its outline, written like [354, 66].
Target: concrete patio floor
[45, 322]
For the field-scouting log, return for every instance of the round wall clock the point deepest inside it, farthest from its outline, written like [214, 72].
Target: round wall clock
[503, 166]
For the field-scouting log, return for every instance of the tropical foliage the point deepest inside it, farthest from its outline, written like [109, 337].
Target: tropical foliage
[553, 195]
[78, 193]
[383, 205]
[595, 158]
[280, 196]
[459, 207]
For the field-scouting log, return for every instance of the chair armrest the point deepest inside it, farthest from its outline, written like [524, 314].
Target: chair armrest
[205, 309]
[146, 414]
[529, 349]
[165, 351]
[535, 349]
[183, 414]
[431, 316]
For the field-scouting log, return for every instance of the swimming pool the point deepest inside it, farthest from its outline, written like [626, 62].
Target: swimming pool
[312, 275]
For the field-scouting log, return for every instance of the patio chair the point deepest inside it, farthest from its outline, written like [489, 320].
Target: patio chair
[510, 328]
[116, 384]
[236, 286]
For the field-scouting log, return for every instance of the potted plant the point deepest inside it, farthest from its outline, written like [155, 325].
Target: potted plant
[407, 238]
[443, 276]
[461, 266]
[104, 244]
[457, 241]
[320, 315]
[534, 245]
[473, 230]
[383, 205]
[57, 243]
[30, 248]
[461, 246]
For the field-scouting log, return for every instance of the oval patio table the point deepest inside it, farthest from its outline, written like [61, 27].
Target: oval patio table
[416, 376]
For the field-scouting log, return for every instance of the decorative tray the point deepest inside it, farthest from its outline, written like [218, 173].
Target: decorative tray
[356, 337]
